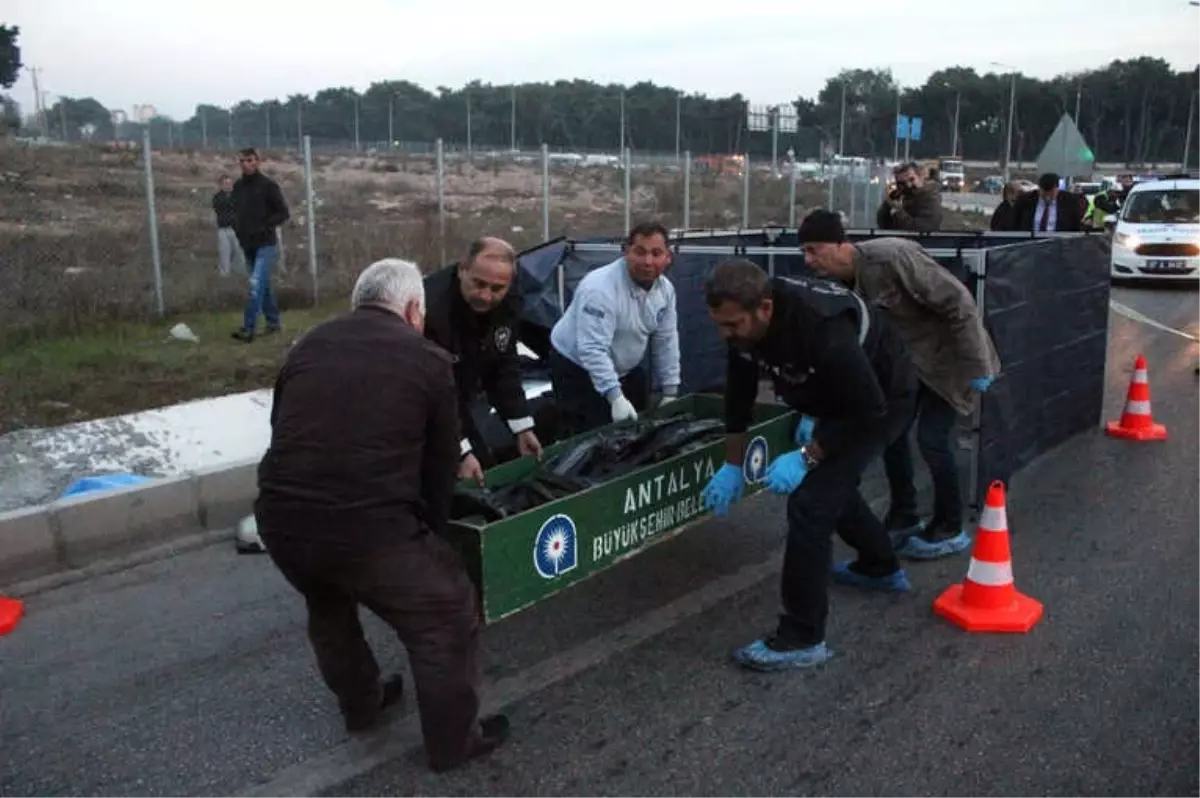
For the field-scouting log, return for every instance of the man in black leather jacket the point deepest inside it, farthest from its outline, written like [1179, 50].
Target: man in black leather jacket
[473, 311]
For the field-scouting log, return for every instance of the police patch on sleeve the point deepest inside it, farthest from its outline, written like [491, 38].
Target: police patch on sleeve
[592, 310]
[502, 337]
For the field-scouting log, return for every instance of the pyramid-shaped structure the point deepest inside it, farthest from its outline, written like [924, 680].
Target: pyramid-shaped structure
[1066, 153]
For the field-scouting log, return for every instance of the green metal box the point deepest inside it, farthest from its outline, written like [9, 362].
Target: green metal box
[520, 560]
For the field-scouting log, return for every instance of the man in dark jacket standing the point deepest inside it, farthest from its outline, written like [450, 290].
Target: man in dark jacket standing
[260, 208]
[354, 495]
[953, 355]
[836, 360]
[474, 313]
[912, 205]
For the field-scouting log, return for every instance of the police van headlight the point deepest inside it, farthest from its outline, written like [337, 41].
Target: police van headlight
[1125, 240]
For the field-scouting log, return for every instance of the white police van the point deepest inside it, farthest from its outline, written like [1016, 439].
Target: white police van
[1156, 235]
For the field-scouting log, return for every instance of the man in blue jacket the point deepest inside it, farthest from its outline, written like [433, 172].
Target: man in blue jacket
[598, 345]
[837, 361]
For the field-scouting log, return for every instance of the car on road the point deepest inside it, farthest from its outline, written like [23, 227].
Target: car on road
[1156, 234]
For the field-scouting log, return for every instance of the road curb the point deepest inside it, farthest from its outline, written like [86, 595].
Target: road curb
[80, 534]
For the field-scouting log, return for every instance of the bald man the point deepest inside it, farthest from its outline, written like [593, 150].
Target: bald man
[474, 311]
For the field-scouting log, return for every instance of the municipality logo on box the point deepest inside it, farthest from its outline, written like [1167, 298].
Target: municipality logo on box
[555, 551]
[754, 466]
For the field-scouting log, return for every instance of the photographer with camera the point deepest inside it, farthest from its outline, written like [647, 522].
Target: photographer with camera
[912, 204]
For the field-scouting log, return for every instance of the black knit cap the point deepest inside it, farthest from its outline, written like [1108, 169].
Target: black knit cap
[821, 227]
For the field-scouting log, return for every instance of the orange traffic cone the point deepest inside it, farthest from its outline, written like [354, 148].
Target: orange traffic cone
[987, 600]
[1137, 423]
[11, 611]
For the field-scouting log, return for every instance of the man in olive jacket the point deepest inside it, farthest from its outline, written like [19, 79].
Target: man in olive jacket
[953, 355]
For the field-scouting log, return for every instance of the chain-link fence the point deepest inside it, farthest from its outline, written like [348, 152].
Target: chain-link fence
[122, 231]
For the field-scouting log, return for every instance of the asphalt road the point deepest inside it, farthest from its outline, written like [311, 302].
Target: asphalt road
[192, 675]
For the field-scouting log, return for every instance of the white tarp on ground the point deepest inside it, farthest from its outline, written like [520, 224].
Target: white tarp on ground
[37, 464]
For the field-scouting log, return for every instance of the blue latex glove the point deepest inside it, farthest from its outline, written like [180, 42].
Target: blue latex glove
[804, 430]
[786, 473]
[981, 384]
[723, 489]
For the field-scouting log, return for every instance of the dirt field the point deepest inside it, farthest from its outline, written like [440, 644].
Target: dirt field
[78, 337]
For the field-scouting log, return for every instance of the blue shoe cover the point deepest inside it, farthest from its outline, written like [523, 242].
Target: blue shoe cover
[917, 548]
[892, 583]
[900, 536]
[761, 657]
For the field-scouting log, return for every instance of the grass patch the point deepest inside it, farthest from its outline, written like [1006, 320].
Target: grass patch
[129, 367]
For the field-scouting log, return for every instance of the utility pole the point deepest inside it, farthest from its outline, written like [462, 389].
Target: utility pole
[512, 115]
[62, 115]
[678, 122]
[39, 111]
[203, 130]
[957, 107]
[1012, 107]
[391, 121]
[896, 143]
[622, 119]
[1187, 137]
[1078, 98]
[356, 121]
[842, 126]
[230, 120]
[468, 93]
[267, 110]
[300, 122]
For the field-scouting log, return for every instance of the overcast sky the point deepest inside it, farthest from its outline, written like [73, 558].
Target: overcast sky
[175, 55]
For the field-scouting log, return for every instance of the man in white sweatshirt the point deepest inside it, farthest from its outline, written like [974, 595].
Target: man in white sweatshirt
[599, 344]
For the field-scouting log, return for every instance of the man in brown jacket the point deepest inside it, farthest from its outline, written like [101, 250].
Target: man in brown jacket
[953, 355]
[354, 494]
[913, 204]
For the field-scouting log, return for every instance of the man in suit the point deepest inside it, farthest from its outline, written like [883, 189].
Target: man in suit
[354, 496]
[1047, 210]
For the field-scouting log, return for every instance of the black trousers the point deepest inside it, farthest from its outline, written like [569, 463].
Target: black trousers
[829, 500]
[580, 408]
[935, 419]
[417, 585]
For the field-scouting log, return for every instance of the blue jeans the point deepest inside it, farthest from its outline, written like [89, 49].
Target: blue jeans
[261, 295]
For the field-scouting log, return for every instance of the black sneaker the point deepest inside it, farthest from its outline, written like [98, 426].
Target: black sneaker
[391, 696]
[493, 732]
[273, 330]
[243, 335]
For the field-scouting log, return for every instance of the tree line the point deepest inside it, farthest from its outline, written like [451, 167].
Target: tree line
[1130, 111]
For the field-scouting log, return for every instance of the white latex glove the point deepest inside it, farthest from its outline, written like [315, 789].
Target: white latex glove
[666, 400]
[622, 409]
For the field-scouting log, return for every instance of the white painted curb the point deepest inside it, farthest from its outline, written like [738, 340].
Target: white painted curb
[73, 533]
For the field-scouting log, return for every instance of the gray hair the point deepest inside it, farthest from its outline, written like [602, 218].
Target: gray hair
[390, 281]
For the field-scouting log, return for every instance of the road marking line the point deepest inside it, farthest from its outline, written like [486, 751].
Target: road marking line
[354, 758]
[1132, 314]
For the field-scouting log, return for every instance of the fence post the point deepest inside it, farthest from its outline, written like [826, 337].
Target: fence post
[746, 192]
[792, 195]
[312, 220]
[851, 214]
[441, 196]
[545, 192]
[625, 155]
[152, 211]
[687, 190]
